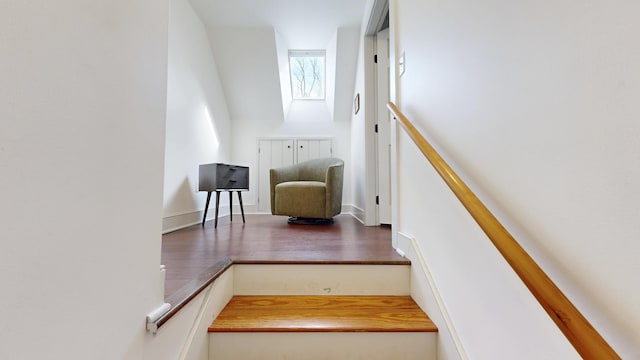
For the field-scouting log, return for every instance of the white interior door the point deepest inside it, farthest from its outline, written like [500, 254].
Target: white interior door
[383, 122]
[271, 154]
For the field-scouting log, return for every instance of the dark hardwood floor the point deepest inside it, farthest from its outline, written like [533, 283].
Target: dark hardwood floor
[270, 239]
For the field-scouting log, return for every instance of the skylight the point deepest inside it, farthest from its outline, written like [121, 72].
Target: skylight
[307, 68]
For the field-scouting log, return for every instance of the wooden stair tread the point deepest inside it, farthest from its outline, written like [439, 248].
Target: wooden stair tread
[322, 314]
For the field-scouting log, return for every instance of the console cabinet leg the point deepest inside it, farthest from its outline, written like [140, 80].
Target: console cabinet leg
[241, 206]
[217, 205]
[206, 207]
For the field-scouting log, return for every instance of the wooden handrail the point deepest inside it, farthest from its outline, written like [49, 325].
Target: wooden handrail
[584, 338]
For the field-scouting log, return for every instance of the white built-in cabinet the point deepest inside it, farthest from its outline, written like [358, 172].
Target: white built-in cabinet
[274, 153]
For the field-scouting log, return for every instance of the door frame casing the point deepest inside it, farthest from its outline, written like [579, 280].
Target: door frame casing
[383, 130]
[376, 19]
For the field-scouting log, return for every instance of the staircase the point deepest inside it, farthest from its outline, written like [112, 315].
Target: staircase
[327, 311]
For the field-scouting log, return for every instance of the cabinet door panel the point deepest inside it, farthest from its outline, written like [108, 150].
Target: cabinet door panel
[308, 149]
[272, 154]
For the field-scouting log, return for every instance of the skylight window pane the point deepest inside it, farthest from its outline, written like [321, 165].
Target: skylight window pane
[307, 74]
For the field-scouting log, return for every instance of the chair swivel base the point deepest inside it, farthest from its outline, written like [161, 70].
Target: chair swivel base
[309, 221]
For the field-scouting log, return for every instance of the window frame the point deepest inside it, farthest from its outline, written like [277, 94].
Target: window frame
[323, 82]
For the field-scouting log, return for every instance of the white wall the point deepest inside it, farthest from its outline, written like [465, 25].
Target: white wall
[358, 153]
[492, 312]
[198, 124]
[347, 49]
[330, 74]
[247, 59]
[81, 164]
[282, 50]
[536, 104]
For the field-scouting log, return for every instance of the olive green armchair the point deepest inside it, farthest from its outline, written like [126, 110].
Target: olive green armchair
[311, 189]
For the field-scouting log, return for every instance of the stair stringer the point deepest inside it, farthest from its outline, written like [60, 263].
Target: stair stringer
[184, 336]
[426, 295]
[217, 296]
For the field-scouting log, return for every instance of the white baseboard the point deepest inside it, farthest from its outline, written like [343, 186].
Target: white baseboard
[248, 209]
[346, 209]
[181, 221]
[253, 209]
[358, 213]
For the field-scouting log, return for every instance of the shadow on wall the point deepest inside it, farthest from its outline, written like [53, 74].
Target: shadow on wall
[183, 200]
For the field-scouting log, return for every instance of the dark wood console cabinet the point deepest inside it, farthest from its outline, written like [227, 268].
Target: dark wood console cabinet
[223, 177]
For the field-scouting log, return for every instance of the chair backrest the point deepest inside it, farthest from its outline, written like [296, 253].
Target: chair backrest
[316, 169]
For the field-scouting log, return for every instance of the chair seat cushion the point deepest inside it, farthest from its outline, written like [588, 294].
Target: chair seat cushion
[301, 198]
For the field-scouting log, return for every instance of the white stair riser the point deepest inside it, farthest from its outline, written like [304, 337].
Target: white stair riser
[322, 279]
[315, 346]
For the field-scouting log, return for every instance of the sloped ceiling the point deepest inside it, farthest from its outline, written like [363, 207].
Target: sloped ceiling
[247, 37]
[303, 24]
